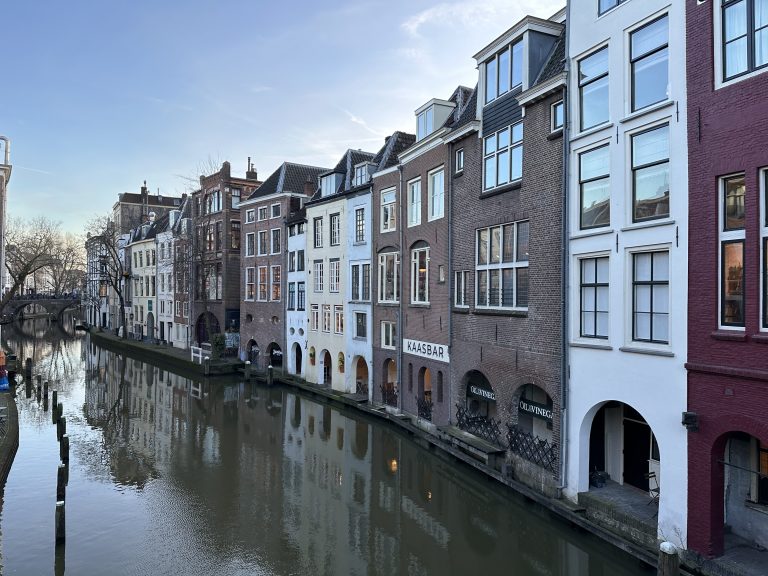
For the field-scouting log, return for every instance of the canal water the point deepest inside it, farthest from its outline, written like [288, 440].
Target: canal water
[173, 476]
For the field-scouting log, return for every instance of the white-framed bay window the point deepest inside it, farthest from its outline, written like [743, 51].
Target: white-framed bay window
[420, 273]
[503, 157]
[502, 266]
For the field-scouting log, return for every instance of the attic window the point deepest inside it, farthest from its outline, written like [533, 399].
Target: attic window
[504, 71]
[328, 185]
[361, 174]
[424, 123]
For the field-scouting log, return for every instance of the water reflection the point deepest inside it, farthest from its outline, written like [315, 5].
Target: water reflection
[208, 478]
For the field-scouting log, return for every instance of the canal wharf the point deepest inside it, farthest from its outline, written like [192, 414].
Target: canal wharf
[9, 434]
[446, 442]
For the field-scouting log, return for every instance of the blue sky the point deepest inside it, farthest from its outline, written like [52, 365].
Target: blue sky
[98, 96]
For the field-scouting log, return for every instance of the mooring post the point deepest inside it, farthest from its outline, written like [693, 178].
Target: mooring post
[39, 378]
[207, 366]
[39, 392]
[54, 399]
[45, 389]
[669, 560]
[60, 522]
[28, 368]
[61, 483]
[59, 409]
[61, 428]
[247, 369]
[64, 449]
[270, 375]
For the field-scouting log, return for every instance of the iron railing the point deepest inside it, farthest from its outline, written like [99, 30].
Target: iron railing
[534, 449]
[361, 388]
[481, 426]
[389, 394]
[424, 408]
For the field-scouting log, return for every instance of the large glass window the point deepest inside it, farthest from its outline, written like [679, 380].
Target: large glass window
[594, 298]
[250, 244]
[650, 297]
[388, 219]
[263, 283]
[649, 60]
[389, 277]
[504, 71]
[605, 5]
[414, 202]
[326, 317]
[594, 188]
[502, 266]
[302, 298]
[420, 275]
[388, 335]
[503, 156]
[425, 123]
[338, 319]
[250, 284]
[318, 230]
[745, 36]
[263, 243]
[335, 229]
[318, 275]
[314, 317]
[361, 325]
[732, 238]
[276, 290]
[334, 276]
[291, 296]
[436, 186]
[361, 282]
[276, 240]
[593, 89]
[650, 174]
[360, 225]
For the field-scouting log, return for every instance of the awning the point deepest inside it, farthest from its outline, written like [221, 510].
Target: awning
[481, 388]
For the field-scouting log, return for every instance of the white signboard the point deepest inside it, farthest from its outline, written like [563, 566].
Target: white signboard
[437, 352]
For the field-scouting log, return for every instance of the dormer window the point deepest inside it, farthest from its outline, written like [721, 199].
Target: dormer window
[361, 175]
[504, 71]
[424, 123]
[328, 185]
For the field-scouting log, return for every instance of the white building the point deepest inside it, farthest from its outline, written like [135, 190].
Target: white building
[143, 254]
[166, 277]
[628, 259]
[296, 306]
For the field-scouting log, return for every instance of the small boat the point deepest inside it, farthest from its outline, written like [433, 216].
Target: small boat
[82, 327]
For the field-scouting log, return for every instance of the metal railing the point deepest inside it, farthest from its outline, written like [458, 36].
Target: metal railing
[424, 408]
[389, 394]
[534, 449]
[481, 426]
[361, 388]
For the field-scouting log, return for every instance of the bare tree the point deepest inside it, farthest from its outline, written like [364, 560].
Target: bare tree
[66, 269]
[31, 246]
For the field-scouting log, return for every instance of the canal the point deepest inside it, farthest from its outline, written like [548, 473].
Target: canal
[173, 476]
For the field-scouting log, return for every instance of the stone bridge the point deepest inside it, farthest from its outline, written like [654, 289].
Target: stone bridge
[55, 307]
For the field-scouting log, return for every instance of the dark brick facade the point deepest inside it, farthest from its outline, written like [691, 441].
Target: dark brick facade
[728, 370]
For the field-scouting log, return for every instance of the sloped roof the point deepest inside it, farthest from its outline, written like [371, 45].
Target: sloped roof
[346, 167]
[289, 177]
[467, 113]
[393, 145]
[556, 63]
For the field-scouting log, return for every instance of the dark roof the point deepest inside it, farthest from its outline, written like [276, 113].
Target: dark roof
[289, 177]
[467, 114]
[296, 216]
[556, 62]
[346, 167]
[393, 145]
[152, 199]
[147, 232]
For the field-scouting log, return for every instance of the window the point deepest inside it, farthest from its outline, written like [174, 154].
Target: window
[424, 123]
[263, 243]
[276, 240]
[338, 319]
[764, 228]
[594, 298]
[361, 175]
[503, 157]
[318, 275]
[318, 227]
[328, 185]
[649, 61]
[275, 211]
[334, 276]
[218, 238]
[504, 72]
[606, 5]
[250, 244]
[276, 287]
[314, 317]
[745, 36]
[459, 165]
[650, 297]
[292, 231]
[361, 282]
[177, 311]
[460, 288]
[263, 213]
[593, 89]
[360, 225]
[235, 234]
[300, 261]
[291, 296]
[335, 229]
[594, 188]
[292, 261]
[186, 309]
[650, 174]
[389, 275]
[250, 284]
[326, 317]
[420, 275]
[250, 216]
[361, 325]
[436, 194]
[263, 283]
[557, 114]
[236, 197]
[732, 237]
[388, 220]
[414, 202]
[301, 299]
[388, 335]
[502, 266]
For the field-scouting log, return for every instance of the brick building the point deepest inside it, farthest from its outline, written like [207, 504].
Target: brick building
[507, 246]
[132, 209]
[728, 271]
[215, 256]
[264, 259]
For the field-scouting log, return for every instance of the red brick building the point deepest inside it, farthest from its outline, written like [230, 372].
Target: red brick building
[728, 262]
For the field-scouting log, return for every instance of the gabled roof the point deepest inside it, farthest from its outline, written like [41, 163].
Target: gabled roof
[289, 177]
[345, 167]
[149, 230]
[393, 145]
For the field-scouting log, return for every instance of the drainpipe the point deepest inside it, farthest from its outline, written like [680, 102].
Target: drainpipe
[400, 326]
[451, 295]
[565, 309]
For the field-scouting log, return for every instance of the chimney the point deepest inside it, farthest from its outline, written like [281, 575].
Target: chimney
[144, 190]
[309, 188]
[250, 173]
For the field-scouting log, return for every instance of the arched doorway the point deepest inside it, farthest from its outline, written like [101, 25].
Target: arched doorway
[424, 394]
[150, 326]
[275, 355]
[361, 376]
[297, 358]
[326, 365]
[252, 351]
[480, 398]
[201, 330]
[389, 383]
[531, 436]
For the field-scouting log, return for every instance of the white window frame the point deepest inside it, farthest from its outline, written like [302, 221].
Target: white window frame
[383, 258]
[317, 231]
[334, 275]
[318, 272]
[275, 213]
[553, 126]
[262, 284]
[414, 202]
[361, 174]
[436, 194]
[335, 225]
[388, 335]
[250, 216]
[388, 211]
[459, 161]
[314, 317]
[275, 284]
[250, 271]
[515, 264]
[496, 59]
[272, 233]
[510, 150]
[415, 257]
[460, 289]
[338, 319]
[729, 237]
[263, 213]
[360, 225]
[327, 319]
[425, 123]
[263, 244]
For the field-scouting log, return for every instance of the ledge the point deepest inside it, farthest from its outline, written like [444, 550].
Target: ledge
[502, 189]
[555, 135]
[721, 370]
[460, 310]
[511, 313]
[651, 224]
[597, 232]
[648, 351]
[729, 335]
[760, 338]
[590, 345]
[648, 110]
[591, 131]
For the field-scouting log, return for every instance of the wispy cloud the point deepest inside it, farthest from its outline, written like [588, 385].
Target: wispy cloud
[259, 89]
[360, 122]
[35, 170]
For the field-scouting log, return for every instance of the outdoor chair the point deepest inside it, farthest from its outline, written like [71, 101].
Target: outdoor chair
[653, 487]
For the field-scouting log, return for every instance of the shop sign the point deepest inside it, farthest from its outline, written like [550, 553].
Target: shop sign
[482, 392]
[437, 352]
[538, 410]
